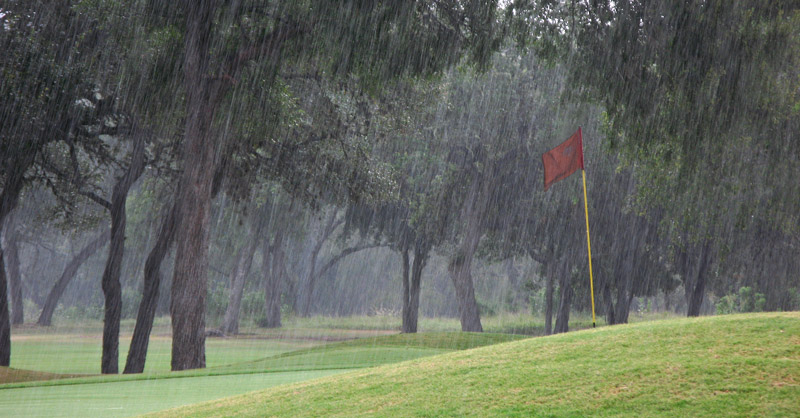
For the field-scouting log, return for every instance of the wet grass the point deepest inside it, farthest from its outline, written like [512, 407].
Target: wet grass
[509, 323]
[124, 398]
[368, 352]
[127, 395]
[351, 354]
[80, 353]
[74, 347]
[737, 365]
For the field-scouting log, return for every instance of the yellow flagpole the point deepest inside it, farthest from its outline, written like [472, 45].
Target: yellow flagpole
[588, 244]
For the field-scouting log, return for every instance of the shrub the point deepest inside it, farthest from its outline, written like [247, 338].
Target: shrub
[216, 303]
[746, 300]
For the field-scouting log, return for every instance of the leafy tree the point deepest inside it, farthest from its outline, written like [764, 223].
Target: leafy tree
[52, 47]
[213, 58]
[697, 94]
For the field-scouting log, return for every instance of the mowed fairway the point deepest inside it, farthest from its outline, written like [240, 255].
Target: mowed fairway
[738, 365]
[135, 397]
[287, 360]
[77, 350]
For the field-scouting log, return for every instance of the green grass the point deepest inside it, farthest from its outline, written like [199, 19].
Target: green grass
[368, 352]
[511, 323]
[80, 353]
[738, 365]
[127, 395]
[130, 398]
[74, 347]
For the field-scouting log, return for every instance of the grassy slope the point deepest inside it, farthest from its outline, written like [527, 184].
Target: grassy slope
[127, 395]
[739, 365]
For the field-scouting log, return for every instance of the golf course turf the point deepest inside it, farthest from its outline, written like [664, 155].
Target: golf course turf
[737, 365]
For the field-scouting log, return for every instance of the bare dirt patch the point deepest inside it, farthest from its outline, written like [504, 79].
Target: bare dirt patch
[9, 375]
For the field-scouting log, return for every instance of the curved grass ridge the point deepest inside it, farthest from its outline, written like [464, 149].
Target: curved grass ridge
[737, 365]
[351, 354]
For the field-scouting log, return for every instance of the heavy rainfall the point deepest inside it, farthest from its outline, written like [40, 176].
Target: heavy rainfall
[258, 193]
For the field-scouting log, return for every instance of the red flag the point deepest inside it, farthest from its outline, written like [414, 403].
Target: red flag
[563, 160]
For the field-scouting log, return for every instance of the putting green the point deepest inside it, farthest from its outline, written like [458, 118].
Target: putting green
[130, 398]
[71, 353]
[127, 395]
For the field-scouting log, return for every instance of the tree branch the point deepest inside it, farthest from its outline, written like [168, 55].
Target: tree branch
[95, 198]
[269, 45]
[343, 254]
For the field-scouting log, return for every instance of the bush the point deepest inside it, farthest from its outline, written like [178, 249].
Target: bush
[252, 305]
[726, 305]
[79, 312]
[746, 300]
[486, 309]
[216, 303]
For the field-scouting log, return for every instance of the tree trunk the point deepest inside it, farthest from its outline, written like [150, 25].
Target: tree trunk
[514, 283]
[460, 267]
[190, 278]
[50, 304]
[696, 290]
[565, 288]
[112, 289]
[244, 260]
[548, 299]
[14, 181]
[406, 266]
[5, 326]
[411, 286]
[461, 275]
[273, 282]
[637, 232]
[420, 259]
[622, 306]
[330, 225]
[113, 293]
[11, 251]
[137, 354]
[610, 318]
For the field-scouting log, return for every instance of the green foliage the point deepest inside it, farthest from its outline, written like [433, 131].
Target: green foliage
[252, 304]
[793, 299]
[534, 289]
[79, 312]
[746, 300]
[486, 309]
[216, 303]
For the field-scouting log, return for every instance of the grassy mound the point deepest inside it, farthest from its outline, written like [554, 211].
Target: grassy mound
[738, 365]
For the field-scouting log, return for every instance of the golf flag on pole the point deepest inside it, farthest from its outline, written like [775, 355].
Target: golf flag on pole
[559, 163]
[563, 160]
